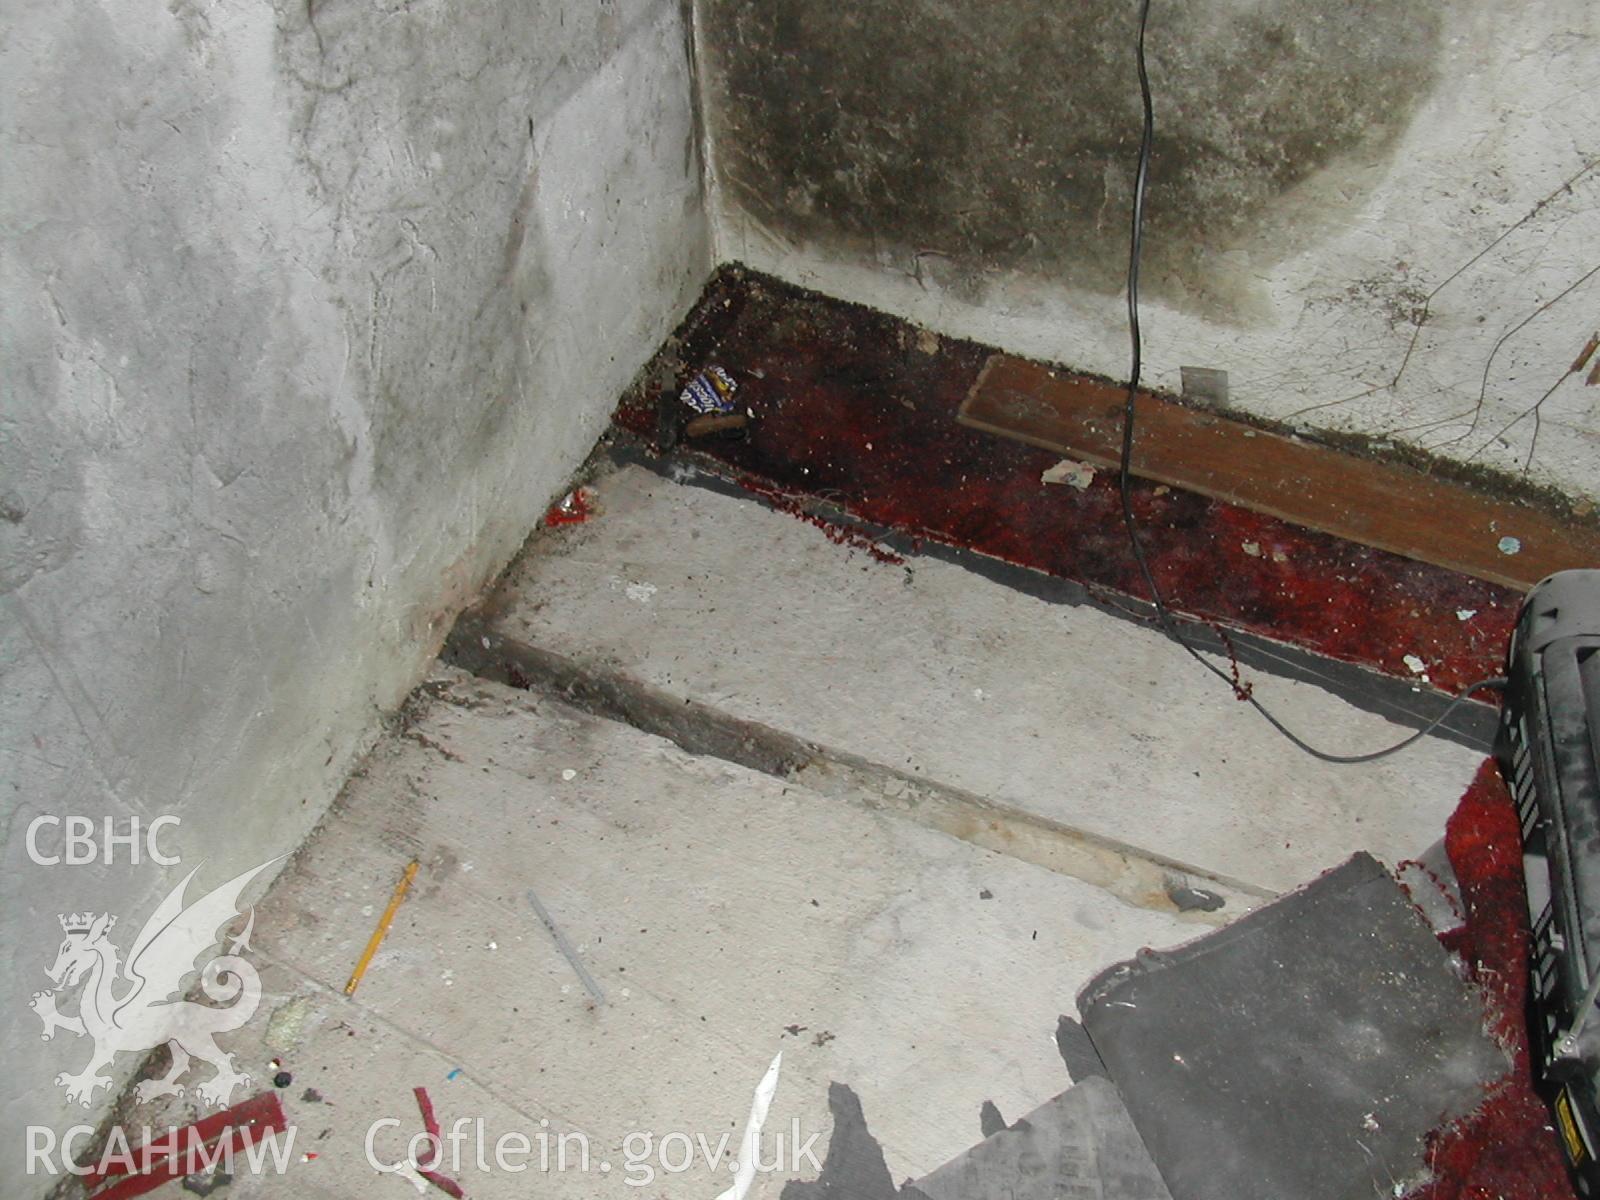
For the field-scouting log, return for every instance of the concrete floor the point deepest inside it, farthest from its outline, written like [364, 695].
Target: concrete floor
[1064, 713]
[729, 913]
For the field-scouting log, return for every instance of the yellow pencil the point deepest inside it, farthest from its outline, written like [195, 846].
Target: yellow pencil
[383, 927]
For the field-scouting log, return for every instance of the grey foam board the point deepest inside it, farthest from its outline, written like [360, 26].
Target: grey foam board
[1306, 1050]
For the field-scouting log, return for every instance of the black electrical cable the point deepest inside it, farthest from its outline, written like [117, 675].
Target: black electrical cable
[1125, 474]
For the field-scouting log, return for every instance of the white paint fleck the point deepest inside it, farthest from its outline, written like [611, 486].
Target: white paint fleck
[569, 775]
[1510, 545]
[1415, 665]
[1253, 549]
[1466, 614]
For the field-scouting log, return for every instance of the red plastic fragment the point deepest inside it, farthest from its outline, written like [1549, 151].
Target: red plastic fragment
[576, 507]
[201, 1142]
[430, 1122]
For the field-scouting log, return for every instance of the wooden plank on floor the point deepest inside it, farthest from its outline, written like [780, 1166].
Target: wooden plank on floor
[1385, 505]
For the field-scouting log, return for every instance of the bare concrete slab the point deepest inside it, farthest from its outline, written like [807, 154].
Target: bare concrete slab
[1066, 713]
[728, 915]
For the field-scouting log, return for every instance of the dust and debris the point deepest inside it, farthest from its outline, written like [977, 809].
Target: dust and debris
[576, 507]
[1253, 549]
[428, 743]
[1074, 474]
[1192, 899]
[927, 341]
[204, 1183]
[640, 593]
[1415, 665]
[286, 1026]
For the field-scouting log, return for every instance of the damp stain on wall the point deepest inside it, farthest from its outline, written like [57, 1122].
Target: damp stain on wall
[973, 140]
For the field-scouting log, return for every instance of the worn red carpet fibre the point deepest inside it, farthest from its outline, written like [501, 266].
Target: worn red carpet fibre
[858, 408]
[1507, 1149]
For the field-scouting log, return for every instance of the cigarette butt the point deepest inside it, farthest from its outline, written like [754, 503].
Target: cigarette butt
[710, 423]
[383, 927]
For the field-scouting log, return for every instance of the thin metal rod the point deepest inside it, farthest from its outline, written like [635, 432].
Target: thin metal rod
[566, 948]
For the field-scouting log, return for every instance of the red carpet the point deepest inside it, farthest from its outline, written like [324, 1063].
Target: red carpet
[1506, 1150]
[857, 408]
